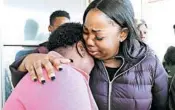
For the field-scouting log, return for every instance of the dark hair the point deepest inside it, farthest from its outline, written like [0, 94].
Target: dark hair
[66, 35]
[170, 56]
[120, 11]
[58, 13]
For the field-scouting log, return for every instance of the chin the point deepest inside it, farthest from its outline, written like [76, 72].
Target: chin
[98, 57]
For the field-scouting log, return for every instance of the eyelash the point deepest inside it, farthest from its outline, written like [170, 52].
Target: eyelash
[85, 32]
[99, 38]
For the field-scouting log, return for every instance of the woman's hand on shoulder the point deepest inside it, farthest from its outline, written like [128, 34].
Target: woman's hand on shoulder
[33, 64]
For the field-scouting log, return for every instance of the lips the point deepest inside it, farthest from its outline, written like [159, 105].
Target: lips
[92, 52]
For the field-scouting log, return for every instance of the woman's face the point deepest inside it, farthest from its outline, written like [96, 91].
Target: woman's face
[101, 35]
[143, 32]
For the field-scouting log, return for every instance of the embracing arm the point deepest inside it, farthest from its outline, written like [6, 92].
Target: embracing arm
[33, 64]
[18, 69]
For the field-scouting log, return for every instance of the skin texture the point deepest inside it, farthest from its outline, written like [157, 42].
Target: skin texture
[102, 37]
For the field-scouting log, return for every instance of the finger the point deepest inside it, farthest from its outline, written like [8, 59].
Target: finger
[55, 54]
[65, 61]
[56, 59]
[31, 71]
[39, 71]
[55, 62]
[49, 68]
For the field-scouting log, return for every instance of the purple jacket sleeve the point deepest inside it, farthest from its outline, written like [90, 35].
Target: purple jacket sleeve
[160, 88]
[18, 75]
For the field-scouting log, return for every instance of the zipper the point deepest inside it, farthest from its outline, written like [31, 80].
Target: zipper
[110, 82]
[128, 69]
[109, 98]
[110, 87]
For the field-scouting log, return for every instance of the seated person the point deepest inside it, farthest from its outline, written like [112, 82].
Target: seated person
[71, 90]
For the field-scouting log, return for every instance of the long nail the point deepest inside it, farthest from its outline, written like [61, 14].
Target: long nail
[42, 80]
[60, 68]
[52, 76]
[71, 61]
[34, 79]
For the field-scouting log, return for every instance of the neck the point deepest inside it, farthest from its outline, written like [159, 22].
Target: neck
[78, 61]
[113, 63]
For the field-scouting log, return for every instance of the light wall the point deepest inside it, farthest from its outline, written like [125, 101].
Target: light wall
[160, 18]
[17, 12]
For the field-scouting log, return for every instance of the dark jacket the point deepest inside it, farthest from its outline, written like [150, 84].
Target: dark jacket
[138, 85]
[171, 101]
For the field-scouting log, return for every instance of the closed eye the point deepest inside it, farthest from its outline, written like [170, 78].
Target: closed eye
[99, 38]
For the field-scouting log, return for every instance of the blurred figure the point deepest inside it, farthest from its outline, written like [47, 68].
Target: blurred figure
[169, 61]
[169, 65]
[142, 29]
[57, 18]
[30, 29]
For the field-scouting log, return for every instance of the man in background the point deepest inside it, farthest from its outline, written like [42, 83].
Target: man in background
[57, 18]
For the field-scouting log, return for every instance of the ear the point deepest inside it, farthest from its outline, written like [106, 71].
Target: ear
[49, 28]
[81, 49]
[123, 34]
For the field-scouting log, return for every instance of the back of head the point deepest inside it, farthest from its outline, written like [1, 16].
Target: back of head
[170, 56]
[121, 11]
[66, 35]
[58, 13]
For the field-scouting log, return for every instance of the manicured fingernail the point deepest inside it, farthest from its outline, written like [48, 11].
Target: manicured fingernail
[43, 82]
[71, 61]
[34, 79]
[52, 76]
[60, 68]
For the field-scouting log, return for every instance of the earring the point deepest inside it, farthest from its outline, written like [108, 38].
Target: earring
[121, 40]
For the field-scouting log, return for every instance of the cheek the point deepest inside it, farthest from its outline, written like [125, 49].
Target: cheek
[108, 47]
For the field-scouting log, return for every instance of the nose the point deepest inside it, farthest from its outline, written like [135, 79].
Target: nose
[89, 40]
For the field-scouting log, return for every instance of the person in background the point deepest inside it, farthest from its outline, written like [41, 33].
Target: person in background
[71, 90]
[169, 61]
[127, 75]
[169, 64]
[142, 29]
[57, 18]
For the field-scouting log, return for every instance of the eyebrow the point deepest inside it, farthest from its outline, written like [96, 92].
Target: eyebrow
[93, 30]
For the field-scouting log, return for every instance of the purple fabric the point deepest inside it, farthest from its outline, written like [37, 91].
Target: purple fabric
[139, 86]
